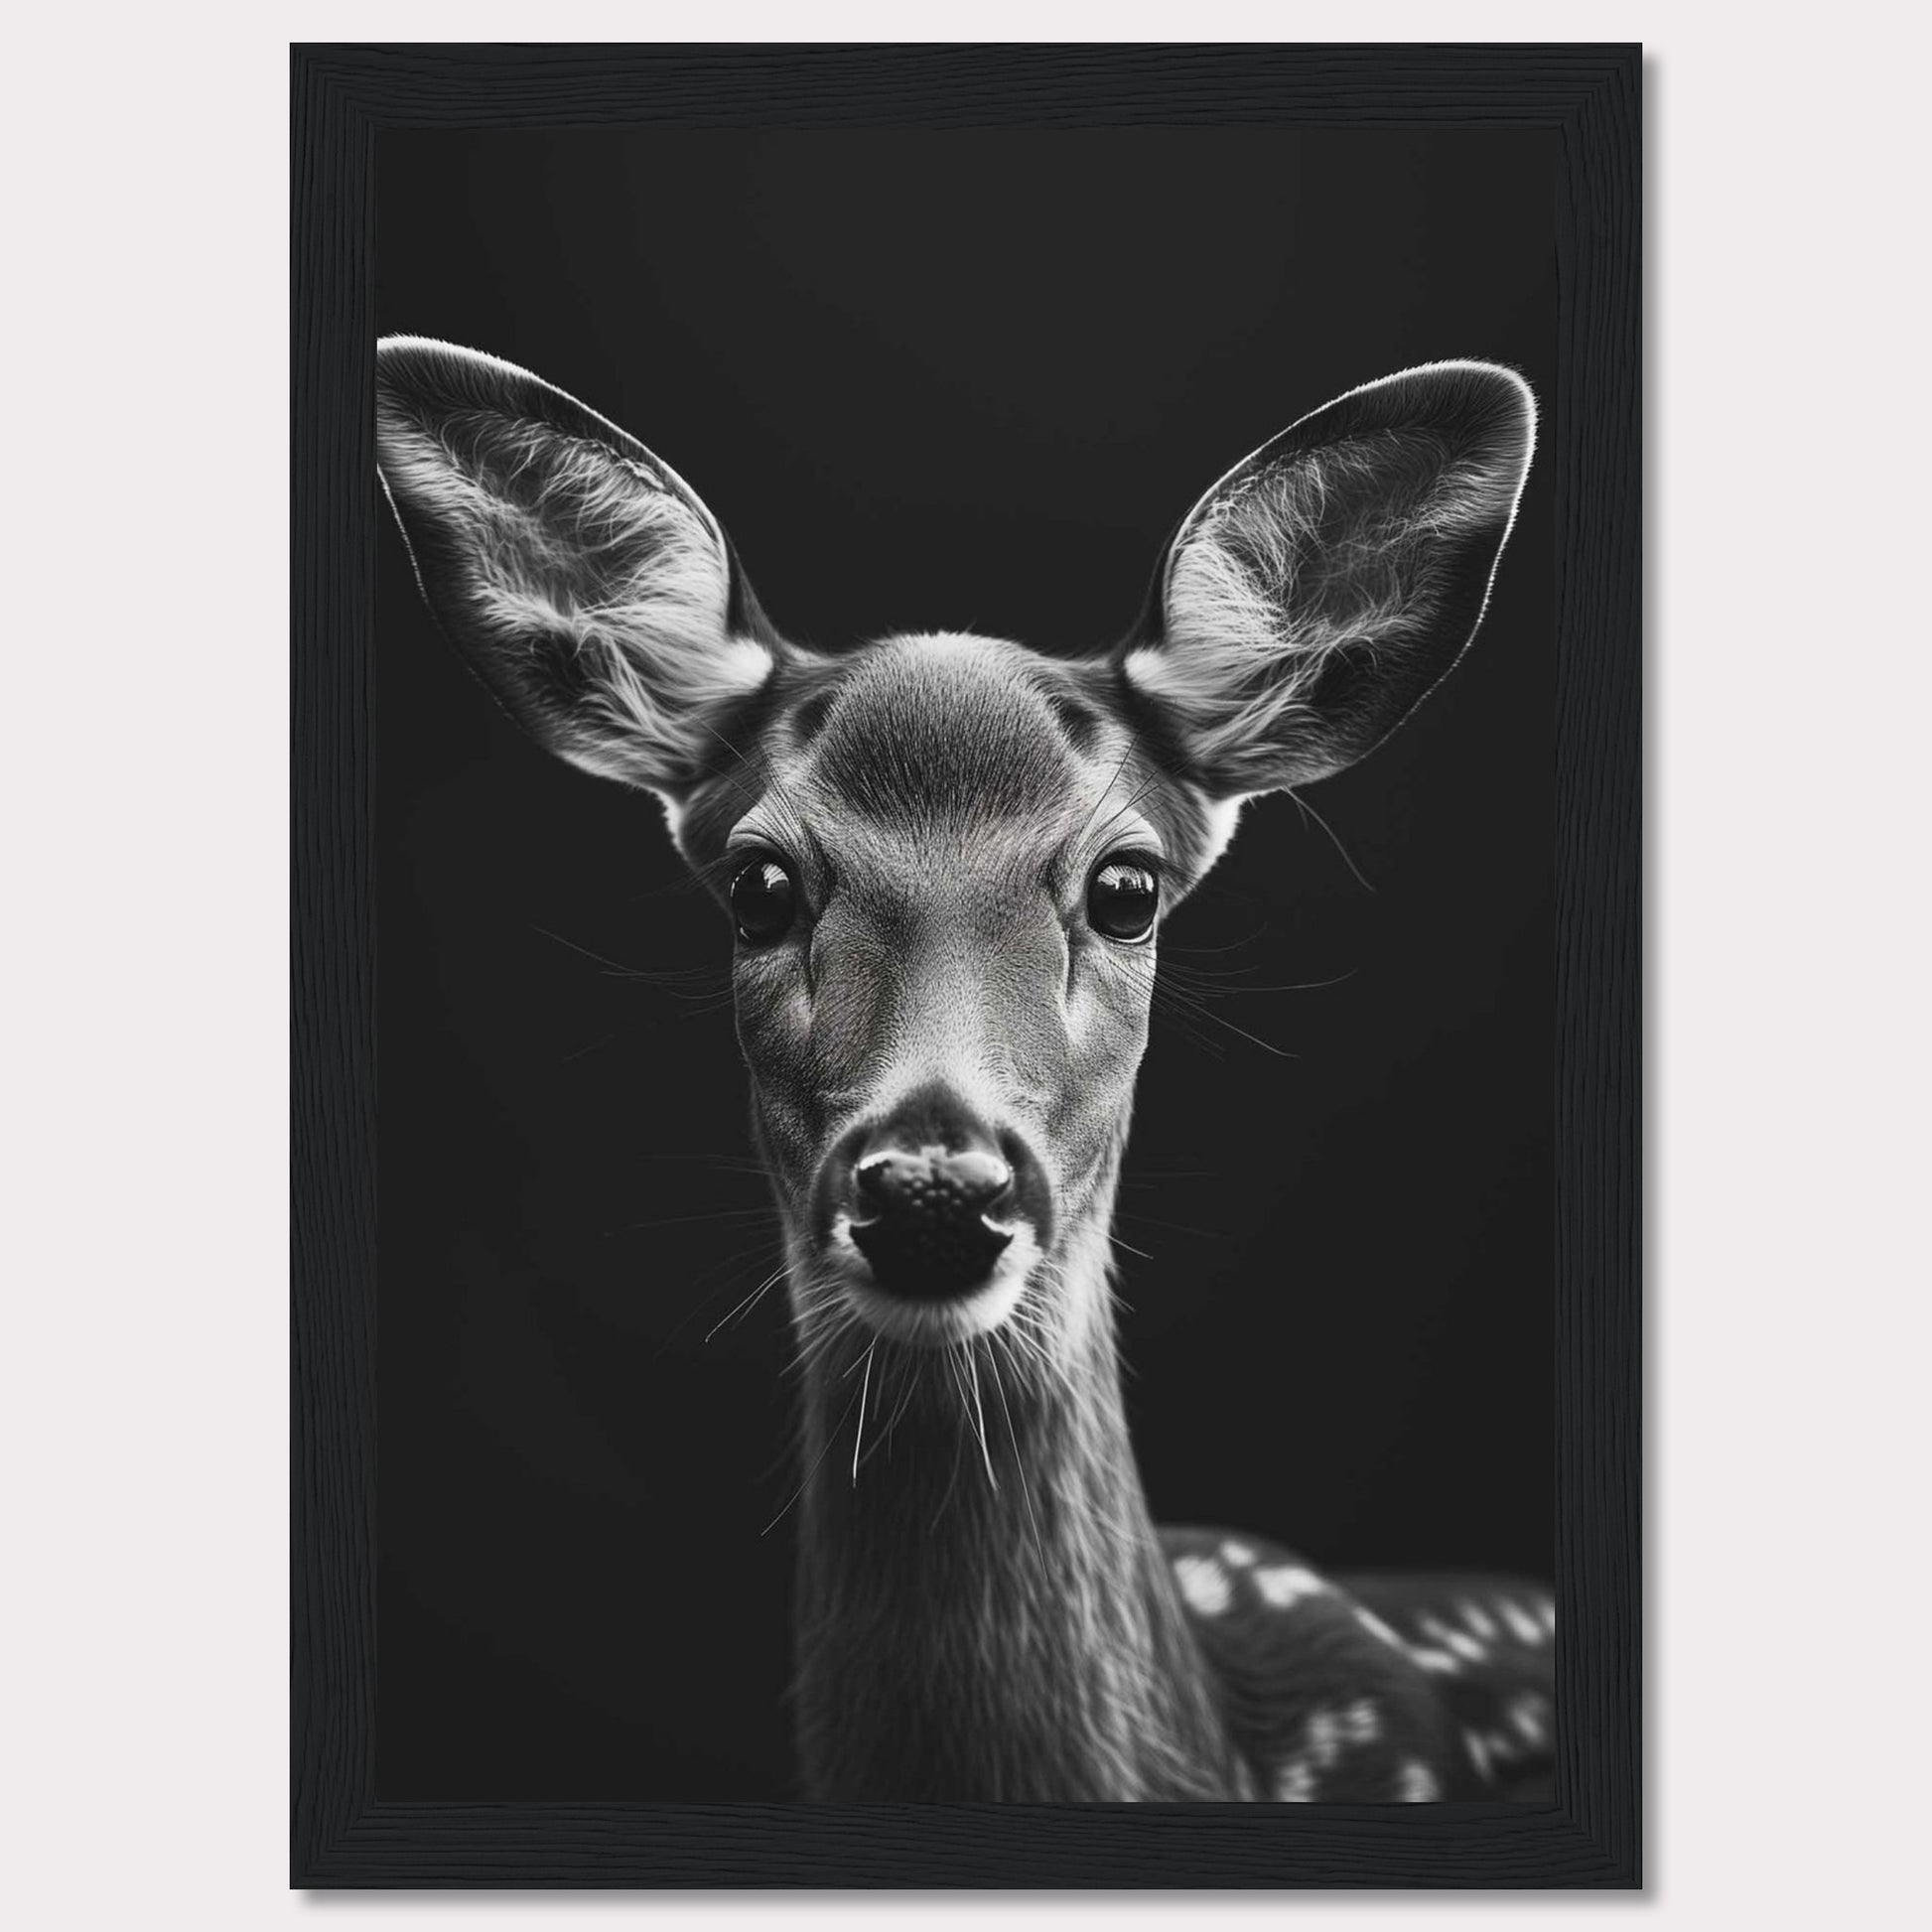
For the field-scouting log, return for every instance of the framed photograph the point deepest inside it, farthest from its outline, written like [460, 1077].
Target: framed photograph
[967, 1001]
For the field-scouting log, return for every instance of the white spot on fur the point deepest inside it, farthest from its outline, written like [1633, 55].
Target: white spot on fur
[1361, 1723]
[1522, 1627]
[1324, 1734]
[1286, 1585]
[1529, 1715]
[1481, 1622]
[1327, 1733]
[1416, 1783]
[1374, 1626]
[1477, 1746]
[1238, 1554]
[1205, 1583]
[1439, 1660]
[1465, 1645]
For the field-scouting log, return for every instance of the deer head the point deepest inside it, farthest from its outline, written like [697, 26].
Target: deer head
[948, 858]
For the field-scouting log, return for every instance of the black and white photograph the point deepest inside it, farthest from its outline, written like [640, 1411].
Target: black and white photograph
[964, 968]
[965, 1006]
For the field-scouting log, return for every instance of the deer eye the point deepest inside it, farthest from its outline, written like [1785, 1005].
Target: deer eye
[764, 902]
[1123, 897]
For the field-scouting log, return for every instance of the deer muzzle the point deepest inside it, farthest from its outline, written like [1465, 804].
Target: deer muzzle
[934, 1196]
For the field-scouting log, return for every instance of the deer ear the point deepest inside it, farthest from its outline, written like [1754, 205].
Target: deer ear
[1314, 596]
[581, 578]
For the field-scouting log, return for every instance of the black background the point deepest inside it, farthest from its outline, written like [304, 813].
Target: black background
[933, 380]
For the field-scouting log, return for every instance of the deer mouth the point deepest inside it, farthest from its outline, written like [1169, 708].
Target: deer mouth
[933, 1293]
[938, 1255]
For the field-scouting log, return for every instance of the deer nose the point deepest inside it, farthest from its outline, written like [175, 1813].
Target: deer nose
[927, 1230]
[932, 1184]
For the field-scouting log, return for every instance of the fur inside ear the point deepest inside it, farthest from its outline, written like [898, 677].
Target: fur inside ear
[580, 577]
[1315, 593]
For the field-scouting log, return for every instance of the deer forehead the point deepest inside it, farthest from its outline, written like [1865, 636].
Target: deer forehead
[938, 730]
[1005, 762]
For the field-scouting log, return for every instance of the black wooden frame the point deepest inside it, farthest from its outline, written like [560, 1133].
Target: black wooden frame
[342, 1835]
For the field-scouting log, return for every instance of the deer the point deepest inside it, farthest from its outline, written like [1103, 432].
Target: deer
[946, 861]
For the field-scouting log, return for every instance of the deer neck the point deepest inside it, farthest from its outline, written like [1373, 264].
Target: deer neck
[998, 1623]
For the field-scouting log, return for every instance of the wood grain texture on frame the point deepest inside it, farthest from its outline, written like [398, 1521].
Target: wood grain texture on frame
[343, 1835]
